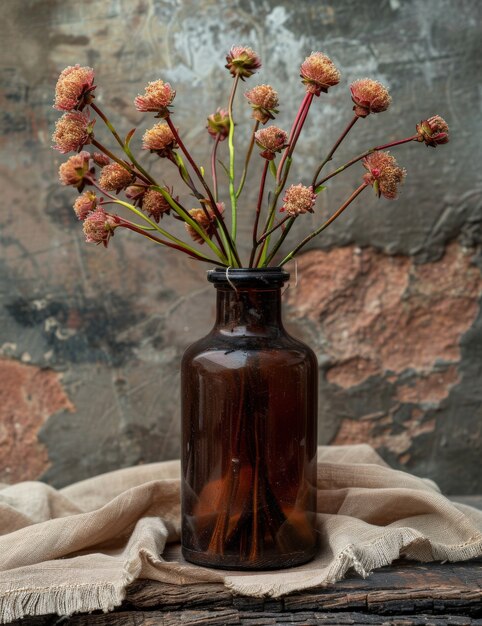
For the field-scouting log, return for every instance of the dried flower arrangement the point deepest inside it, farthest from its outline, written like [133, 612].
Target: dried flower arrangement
[206, 224]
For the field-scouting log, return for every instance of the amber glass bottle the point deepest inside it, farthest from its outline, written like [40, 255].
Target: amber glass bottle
[249, 432]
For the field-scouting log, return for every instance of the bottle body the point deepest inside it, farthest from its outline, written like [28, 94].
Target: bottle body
[249, 436]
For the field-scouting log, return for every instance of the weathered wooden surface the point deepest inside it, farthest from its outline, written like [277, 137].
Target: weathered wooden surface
[405, 593]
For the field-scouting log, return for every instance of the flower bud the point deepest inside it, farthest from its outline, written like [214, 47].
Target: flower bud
[157, 97]
[155, 205]
[272, 139]
[206, 222]
[99, 226]
[298, 199]
[114, 177]
[218, 124]
[369, 96]
[433, 131]
[318, 73]
[72, 132]
[84, 204]
[74, 88]
[242, 61]
[75, 170]
[159, 139]
[264, 100]
[384, 174]
[100, 159]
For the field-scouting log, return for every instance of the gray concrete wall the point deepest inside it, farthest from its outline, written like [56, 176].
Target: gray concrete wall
[90, 339]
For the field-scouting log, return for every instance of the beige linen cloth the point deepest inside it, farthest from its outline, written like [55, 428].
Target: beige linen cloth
[77, 548]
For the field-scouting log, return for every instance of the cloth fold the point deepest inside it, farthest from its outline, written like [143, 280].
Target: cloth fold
[76, 549]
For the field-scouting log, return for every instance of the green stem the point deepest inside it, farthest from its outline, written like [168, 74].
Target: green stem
[280, 241]
[231, 252]
[258, 211]
[316, 232]
[248, 158]
[232, 191]
[122, 144]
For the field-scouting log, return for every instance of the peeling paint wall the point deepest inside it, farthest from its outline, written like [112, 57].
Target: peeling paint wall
[90, 339]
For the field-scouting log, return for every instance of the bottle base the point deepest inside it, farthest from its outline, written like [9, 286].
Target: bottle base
[229, 562]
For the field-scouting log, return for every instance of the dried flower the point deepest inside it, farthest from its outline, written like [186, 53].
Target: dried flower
[298, 199]
[74, 170]
[84, 204]
[159, 139]
[264, 100]
[218, 124]
[74, 88]
[158, 95]
[318, 73]
[114, 177]
[272, 140]
[72, 132]
[369, 96]
[433, 131]
[99, 226]
[384, 174]
[155, 205]
[206, 222]
[242, 61]
[100, 159]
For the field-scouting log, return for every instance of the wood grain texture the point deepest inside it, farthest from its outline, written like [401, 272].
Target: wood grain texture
[406, 593]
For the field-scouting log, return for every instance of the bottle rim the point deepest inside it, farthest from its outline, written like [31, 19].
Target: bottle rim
[248, 276]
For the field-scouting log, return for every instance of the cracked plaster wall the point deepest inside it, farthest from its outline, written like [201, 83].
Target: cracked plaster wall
[90, 339]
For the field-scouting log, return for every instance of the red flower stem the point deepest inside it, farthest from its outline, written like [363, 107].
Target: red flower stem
[214, 207]
[248, 158]
[147, 177]
[191, 253]
[125, 165]
[258, 211]
[213, 167]
[282, 173]
[316, 232]
[292, 134]
[333, 150]
[275, 227]
[363, 155]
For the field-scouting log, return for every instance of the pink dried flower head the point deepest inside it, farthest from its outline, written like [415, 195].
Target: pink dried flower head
[264, 100]
[369, 96]
[318, 73]
[158, 95]
[100, 159]
[99, 226]
[208, 224]
[218, 124]
[72, 132]
[272, 139]
[155, 205]
[433, 131]
[74, 88]
[384, 174]
[114, 177]
[84, 204]
[75, 170]
[159, 139]
[298, 199]
[242, 61]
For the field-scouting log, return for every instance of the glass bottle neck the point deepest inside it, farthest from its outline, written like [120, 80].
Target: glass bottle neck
[249, 311]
